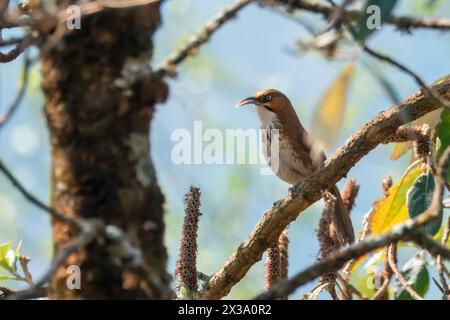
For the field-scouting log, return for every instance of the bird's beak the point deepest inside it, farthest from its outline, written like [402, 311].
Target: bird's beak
[249, 100]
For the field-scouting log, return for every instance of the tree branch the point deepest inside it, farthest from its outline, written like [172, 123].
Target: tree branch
[308, 191]
[402, 23]
[16, 51]
[404, 231]
[168, 67]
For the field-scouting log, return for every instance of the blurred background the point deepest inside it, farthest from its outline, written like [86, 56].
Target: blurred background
[258, 49]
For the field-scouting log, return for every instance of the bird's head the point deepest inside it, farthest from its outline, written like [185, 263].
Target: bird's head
[270, 99]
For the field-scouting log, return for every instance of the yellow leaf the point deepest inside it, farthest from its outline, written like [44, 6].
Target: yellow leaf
[329, 114]
[391, 210]
[400, 149]
[431, 118]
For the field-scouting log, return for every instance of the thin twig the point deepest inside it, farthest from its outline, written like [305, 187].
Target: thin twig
[411, 73]
[382, 289]
[24, 260]
[440, 268]
[21, 93]
[38, 203]
[168, 67]
[382, 292]
[11, 41]
[401, 22]
[16, 51]
[86, 236]
[393, 264]
[351, 288]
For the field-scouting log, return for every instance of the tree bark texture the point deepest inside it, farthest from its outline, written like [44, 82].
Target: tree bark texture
[99, 106]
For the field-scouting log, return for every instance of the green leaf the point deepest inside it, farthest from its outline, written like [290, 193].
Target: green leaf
[416, 274]
[419, 198]
[9, 257]
[365, 27]
[443, 133]
[5, 249]
[3, 277]
[16, 255]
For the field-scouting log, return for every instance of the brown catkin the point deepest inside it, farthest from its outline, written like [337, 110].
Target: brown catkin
[186, 267]
[283, 245]
[419, 134]
[422, 143]
[277, 262]
[272, 267]
[327, 236]
[405, 134]
[349, 194]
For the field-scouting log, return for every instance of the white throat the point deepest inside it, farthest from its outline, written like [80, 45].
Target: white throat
[266, 117]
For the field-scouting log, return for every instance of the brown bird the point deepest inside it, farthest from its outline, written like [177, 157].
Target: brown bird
[298, 154]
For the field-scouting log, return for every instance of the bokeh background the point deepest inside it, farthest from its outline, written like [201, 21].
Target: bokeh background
[256, 50]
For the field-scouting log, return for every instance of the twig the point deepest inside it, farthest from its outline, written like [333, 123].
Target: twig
[403, 23]
[202, 277]
[440, 268]
[309, 190]
[351, 288]
[403, 231]
[168, 67]
[411, 73]
[315, 291]
[86, 236]
[336, 261]
[24, 260]
[19, 97]
[16, 51]
[11, 41]
[441, 274]
[382, 293]
[393, 264]
[38, 203]
[5, 292]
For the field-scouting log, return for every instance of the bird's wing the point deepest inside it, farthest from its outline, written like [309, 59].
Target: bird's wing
[308, 153]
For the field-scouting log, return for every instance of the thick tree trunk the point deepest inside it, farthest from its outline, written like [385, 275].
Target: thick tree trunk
[98, 108]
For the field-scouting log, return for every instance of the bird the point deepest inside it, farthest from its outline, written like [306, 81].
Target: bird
[299, 154]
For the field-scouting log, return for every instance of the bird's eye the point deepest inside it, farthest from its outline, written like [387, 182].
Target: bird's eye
[268, 97]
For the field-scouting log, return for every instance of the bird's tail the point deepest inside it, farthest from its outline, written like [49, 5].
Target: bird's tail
[341, 220]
